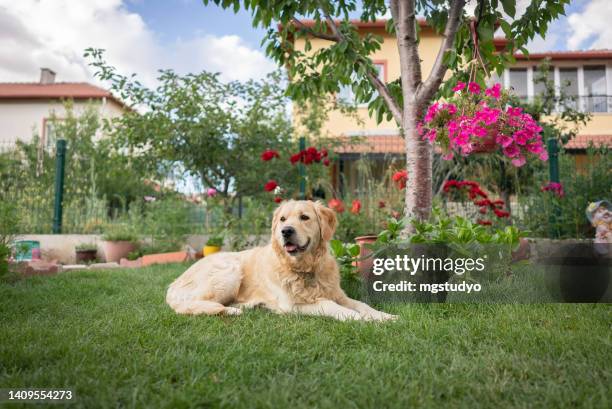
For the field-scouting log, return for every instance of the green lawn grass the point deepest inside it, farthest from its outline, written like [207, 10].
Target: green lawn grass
[110, 337]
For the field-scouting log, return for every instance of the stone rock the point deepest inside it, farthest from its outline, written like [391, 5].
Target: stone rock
[104, 266]
[74, 267]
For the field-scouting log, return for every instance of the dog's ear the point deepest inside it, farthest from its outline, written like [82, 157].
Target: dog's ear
[328, 220]
[275, 217]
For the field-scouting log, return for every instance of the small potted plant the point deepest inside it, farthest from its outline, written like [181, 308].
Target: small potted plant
[119, 242]
[86, 253]
[213, 245]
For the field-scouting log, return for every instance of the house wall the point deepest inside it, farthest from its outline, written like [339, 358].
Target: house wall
[339, 124]
[21, 119]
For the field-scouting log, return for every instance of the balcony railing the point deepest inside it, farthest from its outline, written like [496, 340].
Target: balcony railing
[583, 103]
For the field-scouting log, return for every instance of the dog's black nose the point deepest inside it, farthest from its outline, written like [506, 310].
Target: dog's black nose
[287, 232]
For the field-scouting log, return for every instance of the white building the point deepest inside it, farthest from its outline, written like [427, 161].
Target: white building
[26, 108]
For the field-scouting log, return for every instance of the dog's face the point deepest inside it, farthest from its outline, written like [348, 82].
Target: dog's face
[300, 227]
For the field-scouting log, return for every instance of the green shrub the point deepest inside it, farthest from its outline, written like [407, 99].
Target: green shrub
[216, 241]
[347, 254]
[547, 215]
[86, 247]
[5, 252]
[9, 222]
[120, 232]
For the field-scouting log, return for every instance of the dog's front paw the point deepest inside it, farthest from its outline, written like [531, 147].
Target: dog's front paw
[379, 316]
[232, 311]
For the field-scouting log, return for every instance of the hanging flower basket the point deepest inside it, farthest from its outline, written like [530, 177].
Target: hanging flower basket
[472, 121]
[485, 145]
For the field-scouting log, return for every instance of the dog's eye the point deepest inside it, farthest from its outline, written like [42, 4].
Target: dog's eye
[283, 219]
[304, 217]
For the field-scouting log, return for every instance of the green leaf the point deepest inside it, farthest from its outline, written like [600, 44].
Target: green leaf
[509, 7]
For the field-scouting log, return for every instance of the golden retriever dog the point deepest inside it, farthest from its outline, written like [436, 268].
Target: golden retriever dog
[295, 273]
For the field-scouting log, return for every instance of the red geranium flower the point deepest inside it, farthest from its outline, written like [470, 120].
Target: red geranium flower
[356, 207]
[326, 162]
[501, 213]
[483, 202]
[270, 186]
[400, 178]
[336, 205]
[278, 199]
[381, 204]
[484, 222]
[269, 155]
[295, 158]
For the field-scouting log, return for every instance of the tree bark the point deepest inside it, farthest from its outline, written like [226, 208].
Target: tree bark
[419, 189]
[416, 95]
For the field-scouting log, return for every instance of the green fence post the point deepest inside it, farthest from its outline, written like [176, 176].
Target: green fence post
[302, 171]
[60, 161]
[553, 170]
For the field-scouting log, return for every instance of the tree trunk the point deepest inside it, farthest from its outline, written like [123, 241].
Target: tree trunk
[418, 199]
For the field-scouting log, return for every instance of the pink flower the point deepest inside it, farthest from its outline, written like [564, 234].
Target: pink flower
[448, 156]
[518, 162]
[494, 91]
[450, 108]
[430, 135]
[459, 87]
[514, 111]
[431, 112]
[555, 187]
[535, 147]
[487, 115]
[211, 192]
[480, 132]
[474, 88]
[503, 140]
[511, 151]
[520, 137]
[543, 156]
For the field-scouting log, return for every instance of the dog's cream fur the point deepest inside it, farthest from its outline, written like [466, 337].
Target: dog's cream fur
[305, 281]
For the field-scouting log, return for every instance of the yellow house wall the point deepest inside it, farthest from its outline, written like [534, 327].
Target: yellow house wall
[339, 124]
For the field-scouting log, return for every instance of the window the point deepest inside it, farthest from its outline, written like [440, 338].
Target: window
[568, 83]
[346, 93]
[518, 82]
[539, 85]
[595, 89]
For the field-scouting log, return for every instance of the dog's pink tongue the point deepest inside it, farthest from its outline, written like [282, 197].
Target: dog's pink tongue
[290, 247]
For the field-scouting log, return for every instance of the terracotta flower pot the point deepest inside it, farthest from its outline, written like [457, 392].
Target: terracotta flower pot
[164, 258]
[208, 250]
[523, 252]
[365, 264]
[116, 250]
[485, 145]
[84, 256]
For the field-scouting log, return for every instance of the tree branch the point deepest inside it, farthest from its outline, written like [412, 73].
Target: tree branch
[374, 80]
[431, 85]
[305, 29]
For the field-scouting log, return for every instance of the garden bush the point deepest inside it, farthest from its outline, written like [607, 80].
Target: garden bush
[557, 213]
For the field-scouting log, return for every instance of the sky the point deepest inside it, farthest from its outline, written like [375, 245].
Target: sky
[142, 36]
